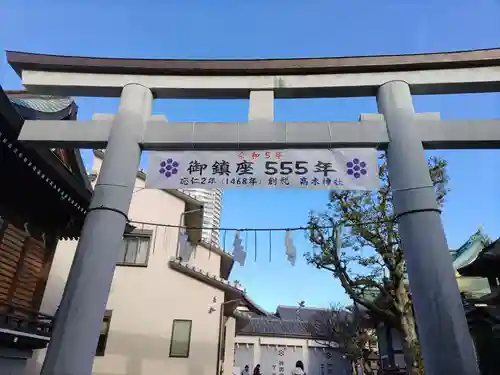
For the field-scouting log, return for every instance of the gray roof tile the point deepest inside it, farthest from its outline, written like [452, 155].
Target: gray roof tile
[42, 103]
[277, 327]
[300, 313]
[290, 321]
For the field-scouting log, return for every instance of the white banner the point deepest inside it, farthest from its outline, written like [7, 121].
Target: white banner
[339, 169]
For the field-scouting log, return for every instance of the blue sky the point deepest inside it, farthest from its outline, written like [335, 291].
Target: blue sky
[279, 28]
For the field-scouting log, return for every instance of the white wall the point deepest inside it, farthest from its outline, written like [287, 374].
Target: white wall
[145, 301]
[278, 355]
[228, 363]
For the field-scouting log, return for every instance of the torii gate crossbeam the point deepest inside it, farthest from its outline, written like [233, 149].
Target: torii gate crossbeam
[445, 340]
[161, 135]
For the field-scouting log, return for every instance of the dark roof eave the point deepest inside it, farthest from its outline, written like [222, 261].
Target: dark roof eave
[323, 65]
[226, 259]
[283, 335]
[47, 161]
[215, 249]
[491, 246]
[234, 292]
[226, 267]
[70, 112]
[487, 262]
[13, 120]
[481, 267]
[471, 270]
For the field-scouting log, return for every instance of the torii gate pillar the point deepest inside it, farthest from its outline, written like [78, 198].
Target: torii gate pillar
[443, 332]
[78, 322]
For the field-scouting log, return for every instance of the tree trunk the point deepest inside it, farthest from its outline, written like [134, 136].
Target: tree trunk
[361, 366]
[414, 366]
[355, 367]
[367, 370]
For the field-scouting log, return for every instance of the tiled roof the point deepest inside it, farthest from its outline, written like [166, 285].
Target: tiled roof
[273, 326]
[70, 185]
[484, 262]
[205, 276]
[41, 103]
[306, 314]
[291, 321]
[493, 249]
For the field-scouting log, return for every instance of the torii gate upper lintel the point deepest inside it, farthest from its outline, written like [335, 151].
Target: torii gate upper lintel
[445, 341]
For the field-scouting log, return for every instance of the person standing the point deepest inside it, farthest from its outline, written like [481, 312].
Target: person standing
[299, 369]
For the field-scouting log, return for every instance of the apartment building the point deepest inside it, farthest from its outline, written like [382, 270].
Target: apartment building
[212, 210]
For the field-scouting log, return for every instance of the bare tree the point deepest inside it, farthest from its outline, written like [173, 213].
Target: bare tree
[368, 256]
[342, 328]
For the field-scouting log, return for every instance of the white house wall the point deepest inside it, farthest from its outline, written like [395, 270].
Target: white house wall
[145, 300]
[244, 355]
[229, 353]
[280, 360]
[278, 355]
[157, 206]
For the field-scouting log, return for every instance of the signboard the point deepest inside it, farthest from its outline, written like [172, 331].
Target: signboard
[339, 169]
[279, 360]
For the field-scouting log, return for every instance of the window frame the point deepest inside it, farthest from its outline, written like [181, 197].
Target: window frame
[107, 317]
[174, 355]
[138, 234]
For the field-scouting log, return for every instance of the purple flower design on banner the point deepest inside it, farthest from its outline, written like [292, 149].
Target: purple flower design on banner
[169, 167]
[356, 168]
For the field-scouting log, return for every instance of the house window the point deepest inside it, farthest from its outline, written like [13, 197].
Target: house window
[135, 250]
[181, 338]
[103, 337]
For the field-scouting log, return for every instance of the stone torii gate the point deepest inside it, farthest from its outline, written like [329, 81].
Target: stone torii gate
[445, 340]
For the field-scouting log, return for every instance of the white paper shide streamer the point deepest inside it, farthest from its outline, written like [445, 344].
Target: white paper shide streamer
[290, 250]
[239, 253]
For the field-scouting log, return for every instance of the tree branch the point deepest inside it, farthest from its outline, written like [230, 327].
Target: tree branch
[369, 217]
[349, 284]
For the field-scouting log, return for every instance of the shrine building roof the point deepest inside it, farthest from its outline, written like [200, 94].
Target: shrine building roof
[56, 175]
[487, 263]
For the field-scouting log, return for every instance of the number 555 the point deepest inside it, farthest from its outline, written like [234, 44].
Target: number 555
[285, 167]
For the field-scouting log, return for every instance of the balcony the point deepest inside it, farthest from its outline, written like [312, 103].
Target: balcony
[24, 329]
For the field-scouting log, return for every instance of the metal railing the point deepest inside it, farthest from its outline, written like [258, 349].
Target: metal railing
[29, 321]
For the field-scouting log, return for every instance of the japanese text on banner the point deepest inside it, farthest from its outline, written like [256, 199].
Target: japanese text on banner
[352, 169]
